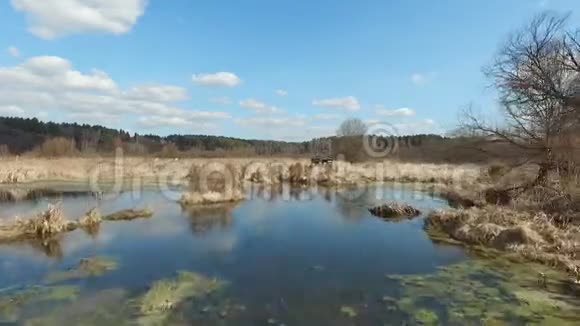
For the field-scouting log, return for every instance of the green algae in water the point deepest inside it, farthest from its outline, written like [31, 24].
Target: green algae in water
[13, 301]
[348, 311]
[87, 267]
[105, 307]
[166, 295]
[426, 317]
[489, 292]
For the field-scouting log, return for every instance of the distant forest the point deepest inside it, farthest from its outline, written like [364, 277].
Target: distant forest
[19, 136]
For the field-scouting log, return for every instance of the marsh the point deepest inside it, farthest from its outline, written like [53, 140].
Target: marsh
[293, 257]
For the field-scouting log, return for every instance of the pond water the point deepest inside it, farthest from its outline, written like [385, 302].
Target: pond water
[294, 257]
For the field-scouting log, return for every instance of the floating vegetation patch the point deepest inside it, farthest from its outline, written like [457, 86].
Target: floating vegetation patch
[395, 210]
[129, 214]
[166, 295]
[488, 292]
[12, 301]
[87, 267]
[105, 307]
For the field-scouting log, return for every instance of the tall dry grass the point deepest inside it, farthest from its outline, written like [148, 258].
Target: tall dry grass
[533, 235]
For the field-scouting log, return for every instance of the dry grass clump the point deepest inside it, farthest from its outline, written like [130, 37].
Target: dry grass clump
[534, 235]
[129, 214]
[52, 222]
[91, 222]
[212, 197]
[395, 210]
[92, 218]
[44, 225]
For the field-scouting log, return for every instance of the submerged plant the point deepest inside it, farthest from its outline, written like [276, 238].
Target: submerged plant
[493, 291]
[426, 317]
[166, 295]
[12, 301]
[87, 267]
[104, 307]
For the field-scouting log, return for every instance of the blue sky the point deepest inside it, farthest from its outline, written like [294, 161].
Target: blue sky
[278, 69]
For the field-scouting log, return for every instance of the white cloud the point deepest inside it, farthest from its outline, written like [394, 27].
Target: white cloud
[224, 79]
[161, 93]
[259, 107]
[402, 112]
[14, 51]
[281, 92]
[11, 111]
[49, 19]
[349, 103]
[422, 78]
[51, 85]
[221, 100]
[53, 73]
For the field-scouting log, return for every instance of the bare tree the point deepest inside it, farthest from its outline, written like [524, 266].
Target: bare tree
[537, 77]
[350, 139]
[352, 127]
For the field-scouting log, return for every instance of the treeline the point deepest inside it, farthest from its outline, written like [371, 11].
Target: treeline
[19, 136]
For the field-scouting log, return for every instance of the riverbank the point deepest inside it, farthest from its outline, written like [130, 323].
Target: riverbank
[533, 235]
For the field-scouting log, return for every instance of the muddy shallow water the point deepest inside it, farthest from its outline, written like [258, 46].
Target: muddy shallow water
[292, 258]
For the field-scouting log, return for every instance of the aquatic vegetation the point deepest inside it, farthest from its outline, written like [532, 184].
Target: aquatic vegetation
[129, 214]
[348, 311]
[166, 295]
[496, 291]
[105, 307]
[395, 210]
[87, 267]
[426, 317]
[12, 301]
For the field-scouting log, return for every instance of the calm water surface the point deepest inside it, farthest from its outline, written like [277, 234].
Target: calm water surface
[297, 258]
